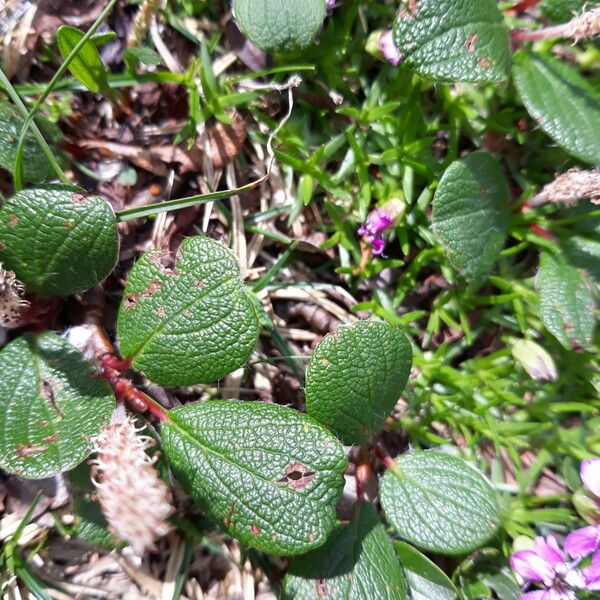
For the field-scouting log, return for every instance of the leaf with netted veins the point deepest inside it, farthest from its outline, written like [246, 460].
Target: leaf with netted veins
[188, 320]
[51, 405]
[269, 475]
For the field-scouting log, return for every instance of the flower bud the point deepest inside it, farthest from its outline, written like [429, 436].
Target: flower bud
[587, 505]
[378, 221]
[535, 360]
[380, 44]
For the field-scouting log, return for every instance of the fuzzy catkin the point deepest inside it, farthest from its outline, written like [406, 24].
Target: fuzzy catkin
[570, 187]
[12, 301]
[133, 498]
[585, 25]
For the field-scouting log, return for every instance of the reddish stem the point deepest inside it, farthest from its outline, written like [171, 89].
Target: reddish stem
[524, 5]
[543, 233]
[533, 35]
[125, 390]
[384, 457]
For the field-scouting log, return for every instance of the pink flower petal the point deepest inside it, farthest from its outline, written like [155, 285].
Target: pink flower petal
[529, 565]
[389, 48]
[549, 550]
[590, 475]
[582, 542]
[537, 595]
[591, 574]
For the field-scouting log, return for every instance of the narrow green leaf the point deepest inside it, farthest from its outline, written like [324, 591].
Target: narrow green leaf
[454, 41]
[189, 322]
[278, 25]
[355, 377]
[36, 167]
[58, 241]
[566, 302]
[439, 502]
[561, 101]
[425, 579]
[470, 214]
[356, 563]
[87, 67]
[51, 405]
[269, 475]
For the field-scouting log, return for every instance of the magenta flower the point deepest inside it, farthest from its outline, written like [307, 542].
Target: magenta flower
[590, 475]
[389, 48]
[330, 5]
[547, 565]
[372, 231]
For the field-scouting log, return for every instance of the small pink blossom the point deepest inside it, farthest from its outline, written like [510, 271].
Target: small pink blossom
[547, 565]
[372, 231]
[389, 49]
[591, 574]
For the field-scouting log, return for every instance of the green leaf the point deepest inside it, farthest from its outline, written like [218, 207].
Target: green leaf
[269, 475]
[566, 302]
[581, 245]
[278, 25]
[356, 563]
[355, 377]
[58, 241]
[188, 323]
[470, 214]
[439, 502]
[425, 579]
[91, 526]
[87, 67]
[145, 55]
[36, 167]
[51, 405]
[560, 11]
[454, 41]
[561, 101]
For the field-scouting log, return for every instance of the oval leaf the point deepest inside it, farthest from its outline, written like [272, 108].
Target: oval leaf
[57, 241]
[51, 405]
[87, 67]
[454, 41]
[188, 323]
[355, 377]
[439, 502]
[582, 244]
[269, 475]
[566, 302]
[470, 214]
[280, 25]
[425, 579]
[561, 101]
[356, 563]
[36, 167]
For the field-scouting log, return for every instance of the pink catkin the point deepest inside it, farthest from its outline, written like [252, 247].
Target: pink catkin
[133, 498]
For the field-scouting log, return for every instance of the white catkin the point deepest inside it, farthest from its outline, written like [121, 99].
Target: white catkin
[570, 187]
[12, 300]
[585, 25]
[133, 498]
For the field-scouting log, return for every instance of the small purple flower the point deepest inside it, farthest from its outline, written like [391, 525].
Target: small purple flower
[372, 231]
[389, 48]
[590, 475]
[547, 564]
[330, 5]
